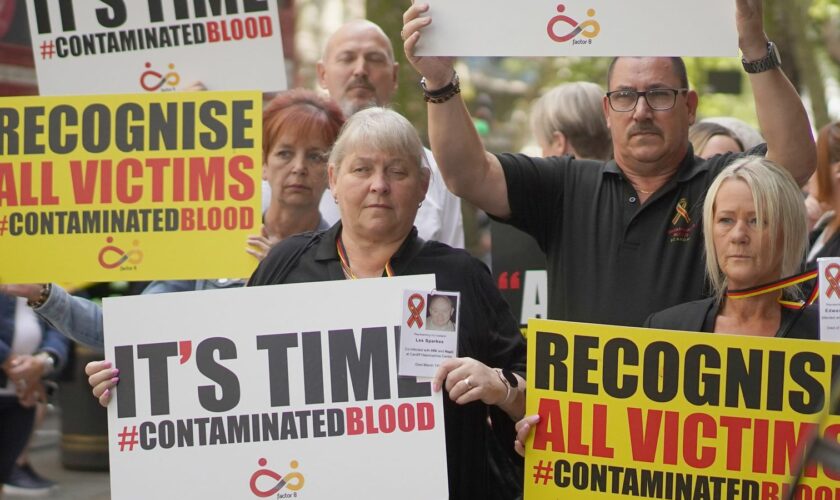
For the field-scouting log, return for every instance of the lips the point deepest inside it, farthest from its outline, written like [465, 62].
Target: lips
[379, 205]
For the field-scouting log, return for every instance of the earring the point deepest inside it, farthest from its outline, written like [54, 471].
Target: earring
[420, 204]
[335, 199]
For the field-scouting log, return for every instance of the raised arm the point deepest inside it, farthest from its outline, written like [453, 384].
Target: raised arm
[469, 171]
[781, 116]
[75, 317]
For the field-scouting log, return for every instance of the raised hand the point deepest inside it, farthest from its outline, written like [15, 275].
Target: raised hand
[438, 71]
[750, 23]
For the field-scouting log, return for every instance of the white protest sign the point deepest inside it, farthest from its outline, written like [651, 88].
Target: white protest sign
[576, 28]
[829, 276]
[271, 392]
[122, 46]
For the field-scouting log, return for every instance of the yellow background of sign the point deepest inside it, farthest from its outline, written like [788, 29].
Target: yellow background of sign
[165, 255]
[617, 429]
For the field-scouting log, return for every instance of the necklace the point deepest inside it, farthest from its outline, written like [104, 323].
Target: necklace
[345, 261]
[644, 192]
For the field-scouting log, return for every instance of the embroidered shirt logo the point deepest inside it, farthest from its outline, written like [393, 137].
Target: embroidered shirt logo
[681, 212]
[682, 226]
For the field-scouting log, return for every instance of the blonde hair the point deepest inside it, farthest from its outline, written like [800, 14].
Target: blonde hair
[381, 129]
[575, 110]
[779, 209]
[701, 133]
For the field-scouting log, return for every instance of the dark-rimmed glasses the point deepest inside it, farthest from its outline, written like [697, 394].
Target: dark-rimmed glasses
[657, 99]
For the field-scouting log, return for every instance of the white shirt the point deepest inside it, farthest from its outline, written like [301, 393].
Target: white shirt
[439, 218]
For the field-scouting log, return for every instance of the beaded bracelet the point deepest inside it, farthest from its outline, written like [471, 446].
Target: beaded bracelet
[442, 94]
[46, 288]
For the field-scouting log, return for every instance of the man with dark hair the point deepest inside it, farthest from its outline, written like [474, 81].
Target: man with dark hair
[622, 237]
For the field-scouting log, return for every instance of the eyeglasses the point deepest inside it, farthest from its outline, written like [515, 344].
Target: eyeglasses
[657, 99]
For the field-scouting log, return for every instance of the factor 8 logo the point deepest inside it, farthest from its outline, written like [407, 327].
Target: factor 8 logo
[151, 80]
[562, 28]
[292, 481]
[112, 256]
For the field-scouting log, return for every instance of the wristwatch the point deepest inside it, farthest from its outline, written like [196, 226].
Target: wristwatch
[508, 378]
[770, 61]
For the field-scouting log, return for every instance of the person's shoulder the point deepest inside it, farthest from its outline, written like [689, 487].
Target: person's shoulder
[513, 159]
[686, 316]
[717, 163]
[293, 244]
[441, 251]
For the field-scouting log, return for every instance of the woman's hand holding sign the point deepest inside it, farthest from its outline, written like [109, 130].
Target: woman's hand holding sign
[102, 377]
[467, 380]
[523, 430]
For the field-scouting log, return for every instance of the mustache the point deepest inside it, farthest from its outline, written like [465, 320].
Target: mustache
[643, 128]
[361, 82]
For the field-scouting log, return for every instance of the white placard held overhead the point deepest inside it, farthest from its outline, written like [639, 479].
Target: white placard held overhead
[574, 28]
[122, 46]
[284, 391]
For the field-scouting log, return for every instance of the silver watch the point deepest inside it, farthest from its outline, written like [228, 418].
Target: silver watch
[770, 61]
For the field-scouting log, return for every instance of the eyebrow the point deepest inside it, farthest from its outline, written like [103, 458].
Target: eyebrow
[652, 86]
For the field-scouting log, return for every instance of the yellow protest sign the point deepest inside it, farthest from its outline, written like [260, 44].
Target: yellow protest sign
[129, 187]
[674, 415]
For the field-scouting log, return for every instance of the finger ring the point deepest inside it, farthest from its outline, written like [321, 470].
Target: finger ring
[467, 382]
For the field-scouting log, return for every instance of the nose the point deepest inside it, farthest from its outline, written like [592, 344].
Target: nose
[379, 183]
[642, 111]
[299, 165]
[360, 67]
[740, 232]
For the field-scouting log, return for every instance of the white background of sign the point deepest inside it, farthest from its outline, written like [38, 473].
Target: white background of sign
[378, 466]
[255, 64]
[627, 28]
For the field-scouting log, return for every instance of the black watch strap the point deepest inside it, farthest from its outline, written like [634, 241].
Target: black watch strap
[510, 377]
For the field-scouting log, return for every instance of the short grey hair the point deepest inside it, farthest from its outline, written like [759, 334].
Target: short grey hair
[779, 208]
[381, 129]
[575, 110]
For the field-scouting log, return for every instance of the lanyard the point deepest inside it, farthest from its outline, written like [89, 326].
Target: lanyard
[345, 262]
[779, 285]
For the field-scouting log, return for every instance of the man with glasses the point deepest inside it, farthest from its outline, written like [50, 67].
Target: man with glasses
[623, 238]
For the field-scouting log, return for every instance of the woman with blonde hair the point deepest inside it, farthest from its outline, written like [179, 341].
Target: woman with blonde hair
[755, 237]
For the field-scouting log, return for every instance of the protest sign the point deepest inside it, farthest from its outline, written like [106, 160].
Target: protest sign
[662, 414]
[519, 271]
[591, 28]
[129, 188]
[155, 46]
[288, 391]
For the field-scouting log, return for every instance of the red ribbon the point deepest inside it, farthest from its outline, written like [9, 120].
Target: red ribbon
[832, 272]
[415, 307]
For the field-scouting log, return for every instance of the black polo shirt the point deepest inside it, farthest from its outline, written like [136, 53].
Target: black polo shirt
[611, 259]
